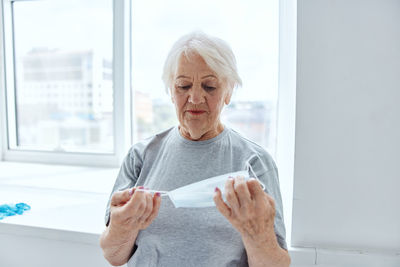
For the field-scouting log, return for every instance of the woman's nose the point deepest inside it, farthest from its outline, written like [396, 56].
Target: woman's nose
[196, 95]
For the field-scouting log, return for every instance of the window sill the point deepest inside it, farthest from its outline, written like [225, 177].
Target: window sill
[67, 202]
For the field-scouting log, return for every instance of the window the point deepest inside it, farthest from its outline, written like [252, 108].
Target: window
[60, 60]
[68, 77]
[61, 95]
[252, 32]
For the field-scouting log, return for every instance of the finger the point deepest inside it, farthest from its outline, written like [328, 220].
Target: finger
[149, 206]
[242, 192]
[221, 205]
[121, 197]
[255, 188]
[137, 203]
[230, 196]
[271, 200]
[271, 203]
[156, 208]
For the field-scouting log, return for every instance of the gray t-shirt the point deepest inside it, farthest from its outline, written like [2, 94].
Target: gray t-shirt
[193, 236]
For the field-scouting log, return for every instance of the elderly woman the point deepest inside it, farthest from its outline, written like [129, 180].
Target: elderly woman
[245, 229]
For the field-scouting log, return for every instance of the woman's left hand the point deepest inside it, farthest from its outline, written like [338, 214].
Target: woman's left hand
[248, 208]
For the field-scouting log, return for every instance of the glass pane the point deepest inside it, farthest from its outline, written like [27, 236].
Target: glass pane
[64, 90]
[251, 28]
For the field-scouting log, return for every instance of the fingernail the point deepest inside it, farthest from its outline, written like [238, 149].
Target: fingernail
[131, 191]
[158, 194]
[141, 187]
[216, 189]
[252, 178]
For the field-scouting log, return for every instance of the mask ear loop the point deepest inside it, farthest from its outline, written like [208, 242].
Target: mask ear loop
[249, 168]
[162, 193]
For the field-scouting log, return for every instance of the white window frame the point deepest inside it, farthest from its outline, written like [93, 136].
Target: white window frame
[286, 112]
[121, 95]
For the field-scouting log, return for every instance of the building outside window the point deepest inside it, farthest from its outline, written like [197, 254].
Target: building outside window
[63, 76]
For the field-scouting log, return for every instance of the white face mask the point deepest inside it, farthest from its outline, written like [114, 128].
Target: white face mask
[200, 194]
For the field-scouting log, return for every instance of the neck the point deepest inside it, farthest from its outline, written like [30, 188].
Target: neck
[205, 136]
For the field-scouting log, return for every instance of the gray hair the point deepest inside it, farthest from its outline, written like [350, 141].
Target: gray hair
[216, 53]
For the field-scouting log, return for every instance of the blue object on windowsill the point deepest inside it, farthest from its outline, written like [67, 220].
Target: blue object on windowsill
[11, 210]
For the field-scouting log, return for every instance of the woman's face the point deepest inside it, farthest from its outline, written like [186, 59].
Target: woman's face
[199, 96]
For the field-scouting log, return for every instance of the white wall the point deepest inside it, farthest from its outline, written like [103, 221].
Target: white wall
[19, 250]
[346, 174]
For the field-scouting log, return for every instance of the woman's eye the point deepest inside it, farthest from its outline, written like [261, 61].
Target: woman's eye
[209, 88]
[184, 87]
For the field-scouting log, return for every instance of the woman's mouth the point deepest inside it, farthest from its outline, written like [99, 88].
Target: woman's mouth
[196, 112]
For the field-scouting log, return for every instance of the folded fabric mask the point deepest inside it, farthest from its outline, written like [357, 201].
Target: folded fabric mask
[200, 194]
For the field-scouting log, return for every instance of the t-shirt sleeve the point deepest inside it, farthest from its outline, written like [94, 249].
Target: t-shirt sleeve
[265, 170]
[127, 176]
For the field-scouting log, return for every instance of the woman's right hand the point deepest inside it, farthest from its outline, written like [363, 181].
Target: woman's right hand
[133, 210]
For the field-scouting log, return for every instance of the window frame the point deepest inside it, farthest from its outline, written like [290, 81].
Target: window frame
[286, 107]
[122, 127]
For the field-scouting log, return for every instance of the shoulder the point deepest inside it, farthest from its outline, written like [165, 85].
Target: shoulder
[152, 143]
[257, 156]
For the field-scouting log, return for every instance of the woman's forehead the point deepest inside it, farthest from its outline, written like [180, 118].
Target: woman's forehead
[194, 65]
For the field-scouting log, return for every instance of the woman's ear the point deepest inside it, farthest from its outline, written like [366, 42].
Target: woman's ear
[228, 95]
[228, 98]
[172, 96]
